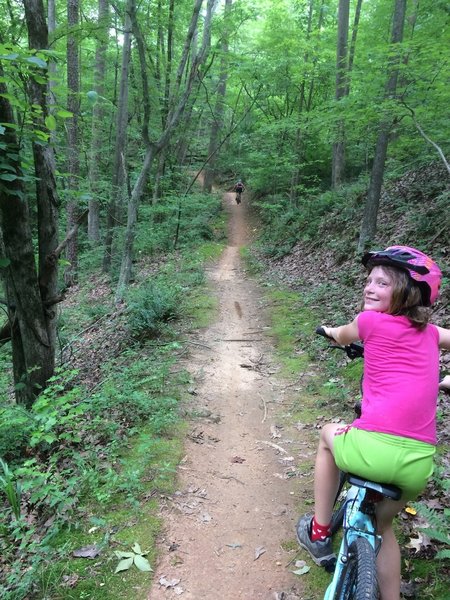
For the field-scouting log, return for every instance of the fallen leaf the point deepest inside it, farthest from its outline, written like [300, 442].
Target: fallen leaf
[205, 518]
[234, 546]
[419, 542]
[299, 564]
[237, 459]
[259, 551]
[87, 552]
[301, 571]
[275, 432]
[168, 583]
[70, 580]
[173, 546]
[410, 510]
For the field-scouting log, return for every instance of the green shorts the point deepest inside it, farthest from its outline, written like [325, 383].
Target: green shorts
[385, 458]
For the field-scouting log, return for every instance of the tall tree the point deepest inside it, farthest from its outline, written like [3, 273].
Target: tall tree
[98, 114]
[370, 215]
[167, 84]
[304, 101]
[338, 162]
[351, 52]
[31, 293]
[119, 172]
[73, 159]
[176, 110]
[217, 123]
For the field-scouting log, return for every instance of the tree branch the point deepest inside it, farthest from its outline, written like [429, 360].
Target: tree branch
[426, 138]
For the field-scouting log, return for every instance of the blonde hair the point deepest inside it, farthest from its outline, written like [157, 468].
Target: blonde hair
[406, 297]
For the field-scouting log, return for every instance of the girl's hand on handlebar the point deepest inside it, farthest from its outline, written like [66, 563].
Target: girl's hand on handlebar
[325, 332]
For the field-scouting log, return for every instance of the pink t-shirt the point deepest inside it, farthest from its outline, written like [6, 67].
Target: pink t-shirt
[401, 377]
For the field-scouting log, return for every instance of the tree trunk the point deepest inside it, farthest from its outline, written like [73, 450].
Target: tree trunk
[338, 163]
[32, 349]
[298, 145]
[98, 115]
[119, 173]
[175, 113]
[351, 53]
[73, 161]
[370, 216]
[45, 167]
[219, 110]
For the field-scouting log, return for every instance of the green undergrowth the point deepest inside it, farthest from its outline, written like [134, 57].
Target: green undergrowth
[116, 525]
[290, 324]
[88, 467]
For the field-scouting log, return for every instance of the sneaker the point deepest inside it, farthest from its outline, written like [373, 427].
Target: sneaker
[321, 551]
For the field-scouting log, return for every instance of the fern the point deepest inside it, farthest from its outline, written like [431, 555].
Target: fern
[439, 529]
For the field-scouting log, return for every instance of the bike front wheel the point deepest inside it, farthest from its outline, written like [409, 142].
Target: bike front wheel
[359, 576]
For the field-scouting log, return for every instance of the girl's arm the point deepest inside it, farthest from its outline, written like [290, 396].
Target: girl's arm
[444, 338]
[345, 334]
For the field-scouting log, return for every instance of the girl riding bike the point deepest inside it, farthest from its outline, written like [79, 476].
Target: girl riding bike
[394, 440]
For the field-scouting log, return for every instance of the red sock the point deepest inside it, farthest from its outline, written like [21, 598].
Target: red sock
[319, 532]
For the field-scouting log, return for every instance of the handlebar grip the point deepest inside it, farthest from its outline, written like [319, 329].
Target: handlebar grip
[321, 331]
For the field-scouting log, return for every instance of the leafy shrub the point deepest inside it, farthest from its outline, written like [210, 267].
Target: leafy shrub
[150, 307]
[57, 413]
[16, 426]
[439, 528]
[11, 488]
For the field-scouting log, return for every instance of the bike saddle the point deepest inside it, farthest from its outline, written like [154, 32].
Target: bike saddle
[390, 491]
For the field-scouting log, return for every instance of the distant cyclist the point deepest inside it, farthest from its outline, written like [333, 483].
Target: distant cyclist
[239, 188]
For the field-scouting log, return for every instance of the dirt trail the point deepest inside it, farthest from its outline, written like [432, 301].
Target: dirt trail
[226, 526]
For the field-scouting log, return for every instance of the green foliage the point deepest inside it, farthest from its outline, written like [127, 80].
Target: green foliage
[332, 211]
[16, 426]
[10, 488]
[78, 444]
[439, 526]
[197, 216]
[57, 413]
[150, 307]
[136, 557]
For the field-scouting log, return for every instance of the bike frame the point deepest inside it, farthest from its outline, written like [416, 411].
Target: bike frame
[357, 523]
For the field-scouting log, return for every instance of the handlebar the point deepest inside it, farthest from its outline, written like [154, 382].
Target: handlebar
[353, 350]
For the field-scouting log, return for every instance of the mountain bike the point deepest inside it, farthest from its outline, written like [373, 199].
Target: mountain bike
[355, 576]
[238, 197]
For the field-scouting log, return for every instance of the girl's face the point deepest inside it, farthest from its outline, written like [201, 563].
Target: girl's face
[378, 290]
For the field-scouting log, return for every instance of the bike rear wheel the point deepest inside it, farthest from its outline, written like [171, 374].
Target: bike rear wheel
[359, 576]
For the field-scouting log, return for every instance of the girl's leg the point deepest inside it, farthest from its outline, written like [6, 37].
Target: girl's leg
[388, 560]
[314, 534]
[326, 476]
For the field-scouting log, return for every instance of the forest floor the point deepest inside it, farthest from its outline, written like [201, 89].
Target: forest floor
[229, 529]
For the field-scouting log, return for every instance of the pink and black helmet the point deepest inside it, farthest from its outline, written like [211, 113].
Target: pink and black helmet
[420, 267]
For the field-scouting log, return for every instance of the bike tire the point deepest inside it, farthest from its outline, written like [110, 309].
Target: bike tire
[337, 518]
[359, 576]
